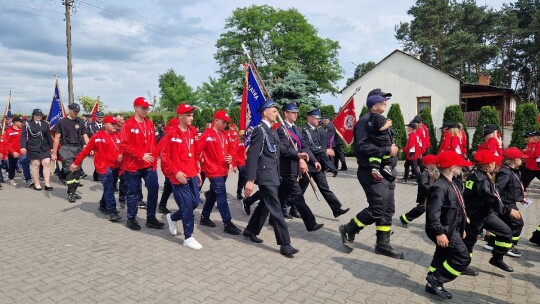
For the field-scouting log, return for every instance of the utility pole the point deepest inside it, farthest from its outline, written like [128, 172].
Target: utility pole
[69, 4]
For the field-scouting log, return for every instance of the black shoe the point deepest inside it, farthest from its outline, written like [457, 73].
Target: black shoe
[37, 189]
[114, 217]
[468, 271]
[340, 212]
[103, 210]
[207, 222]
[252, 237]
[230, 228]
[316, 227]
[239, 196]
[142, 205]
[288, 251]
[48, 188]
[79, 185]
[343, 169]
[376, 175]
[122, 204]
[71, 198]
[295, 213]
[247, 209]
[335, 173]
[347, 238]
[499, 263]
[83, 175]
[163, 209]
[133, 225]
[535, 238]
[288, 217]
[435, 287]
[152, 222]
[403, 223]
[77, 196]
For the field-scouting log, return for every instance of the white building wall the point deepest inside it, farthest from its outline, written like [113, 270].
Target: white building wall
[407, 78]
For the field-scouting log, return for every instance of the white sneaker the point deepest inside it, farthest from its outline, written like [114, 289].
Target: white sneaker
[12, 182]
[172, 225]
[488, 247]
[192, 243]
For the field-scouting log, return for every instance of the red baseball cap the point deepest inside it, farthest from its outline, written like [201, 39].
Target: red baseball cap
[448, 159]
[486, 157]
[429, 159]
[141, 102]
[514, 153]
[109, 119]
[184, 108]
[222, 114]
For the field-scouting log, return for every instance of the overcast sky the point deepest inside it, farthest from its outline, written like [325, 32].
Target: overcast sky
[119, 52]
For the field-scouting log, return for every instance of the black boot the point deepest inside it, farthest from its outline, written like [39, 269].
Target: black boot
[497, 261]
[383, 245]
[535, 238]
[435, 287]
[347, 233]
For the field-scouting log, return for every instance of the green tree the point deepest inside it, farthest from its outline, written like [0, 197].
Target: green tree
[398, 125]
[487, 115]
[215, 93]
[174, 91]
[202, 117]
[295, 87]
[88, 103]
[361, 70]
[454, 114]
[277, 39]
[428, 121]
[526, 120]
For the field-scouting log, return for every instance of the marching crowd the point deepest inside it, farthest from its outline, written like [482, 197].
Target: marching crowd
[461, 199]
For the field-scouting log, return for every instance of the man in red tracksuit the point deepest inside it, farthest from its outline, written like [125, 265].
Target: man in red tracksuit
[179, 159]
[12, 141]
[218, 156]
[138, 143]
[107, 156]
[531, 169]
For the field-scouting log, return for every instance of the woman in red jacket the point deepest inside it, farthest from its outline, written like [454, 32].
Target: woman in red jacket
[412, 151]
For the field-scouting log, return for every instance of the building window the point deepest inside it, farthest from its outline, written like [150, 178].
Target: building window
[423, 103]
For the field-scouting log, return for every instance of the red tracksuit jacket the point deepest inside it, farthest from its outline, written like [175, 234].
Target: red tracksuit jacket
[533, 152]
[12, 140]
[239, 153]
[412, 143]
[492, 145]
[106, 149]
[174, 153]
[134, 144]
[215, 145]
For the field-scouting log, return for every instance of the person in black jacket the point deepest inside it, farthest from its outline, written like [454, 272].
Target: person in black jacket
[509, 185]
[36, 143]
[483, 205]
[379, 194]
[263, 168]
[445, 225]
[424, 179]
[335, 143]
[315, 139]
[293, 163]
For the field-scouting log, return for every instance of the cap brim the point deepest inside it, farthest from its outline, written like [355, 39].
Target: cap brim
[292, 111]
[464, 163]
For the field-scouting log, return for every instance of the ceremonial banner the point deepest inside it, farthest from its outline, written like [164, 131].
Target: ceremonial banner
[252, 101]
[56, 111]
[7, 113]
[95, 108]
[345, 121]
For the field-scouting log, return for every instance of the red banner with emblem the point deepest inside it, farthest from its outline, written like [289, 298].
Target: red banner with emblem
[345, 121]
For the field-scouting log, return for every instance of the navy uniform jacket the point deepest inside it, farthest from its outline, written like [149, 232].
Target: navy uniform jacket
[41, 142]
[288, 161]
[263, 156]
[480, 197]
[363, 147]
[444, 215]
[317, 141]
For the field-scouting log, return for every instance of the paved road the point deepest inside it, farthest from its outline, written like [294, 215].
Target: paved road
[55, 252]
